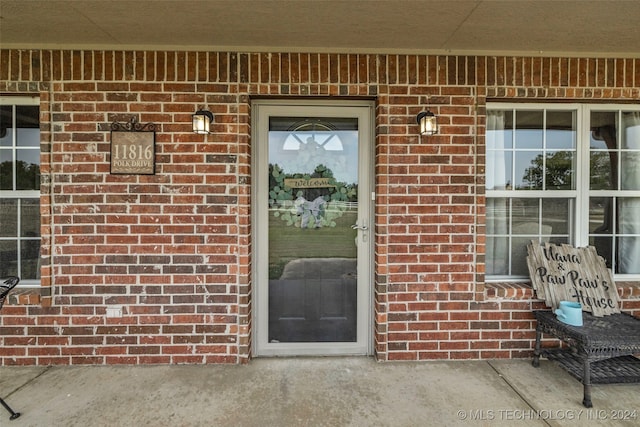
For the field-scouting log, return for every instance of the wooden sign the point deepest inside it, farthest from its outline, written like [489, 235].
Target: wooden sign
[565, 273]
[133, 148]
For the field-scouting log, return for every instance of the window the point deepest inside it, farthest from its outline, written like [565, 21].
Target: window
[20, 188]
[562, 173]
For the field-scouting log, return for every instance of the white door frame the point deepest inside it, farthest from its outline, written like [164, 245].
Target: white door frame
[261, 111]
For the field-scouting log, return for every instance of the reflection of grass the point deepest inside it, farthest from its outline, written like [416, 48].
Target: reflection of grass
[290, 242]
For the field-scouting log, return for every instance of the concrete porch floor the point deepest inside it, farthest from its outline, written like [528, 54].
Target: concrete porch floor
[313, 392]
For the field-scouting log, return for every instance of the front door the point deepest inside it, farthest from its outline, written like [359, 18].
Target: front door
[311, 226]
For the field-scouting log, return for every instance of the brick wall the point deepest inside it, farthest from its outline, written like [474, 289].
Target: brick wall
[174, 249]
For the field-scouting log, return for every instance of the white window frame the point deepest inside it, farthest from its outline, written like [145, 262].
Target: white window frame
[579, 230]
[22, 194]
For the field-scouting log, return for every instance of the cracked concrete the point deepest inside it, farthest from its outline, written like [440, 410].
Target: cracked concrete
[329, 391]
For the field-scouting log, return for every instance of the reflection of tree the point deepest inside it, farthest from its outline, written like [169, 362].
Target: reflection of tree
[281, 196]
[27, 175]
[600, 170]
[558, 171]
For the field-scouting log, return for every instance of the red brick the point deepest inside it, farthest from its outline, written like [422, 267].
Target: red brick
[137, 240]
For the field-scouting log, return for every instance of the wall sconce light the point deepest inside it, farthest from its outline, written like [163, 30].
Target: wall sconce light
[428, 123]
[202, 120]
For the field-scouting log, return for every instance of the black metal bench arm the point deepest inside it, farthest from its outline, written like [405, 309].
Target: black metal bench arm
[7, 286]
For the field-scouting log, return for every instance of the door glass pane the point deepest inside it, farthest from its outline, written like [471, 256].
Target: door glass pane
[313, 183]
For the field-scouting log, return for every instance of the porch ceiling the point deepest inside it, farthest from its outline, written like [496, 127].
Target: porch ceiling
[568, 28]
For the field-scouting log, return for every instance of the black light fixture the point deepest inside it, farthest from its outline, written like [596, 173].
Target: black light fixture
[428, 123]
[202, 120]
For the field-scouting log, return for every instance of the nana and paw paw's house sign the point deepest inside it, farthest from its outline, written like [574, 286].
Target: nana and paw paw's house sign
[565, 273]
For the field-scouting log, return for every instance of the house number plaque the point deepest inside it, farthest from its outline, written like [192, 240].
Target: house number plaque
[133, 148]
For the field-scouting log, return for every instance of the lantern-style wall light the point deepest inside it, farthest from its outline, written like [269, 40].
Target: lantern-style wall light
[428, 123]
[202, 120]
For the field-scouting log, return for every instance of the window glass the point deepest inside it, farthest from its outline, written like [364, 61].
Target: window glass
[499, 129]
[542, 160]
[630, 170]
[499, 170]
[628, 244]
[544, 202]
[28, 126]
[525, 216]
[513, 222]
[543, 156]
[29, 218]
[529, 129]
[27, 169]
[8, 257]
[497, 227]
[614, 221]
[498, 263]
[519, 256]
[8, 217]
[559, 170]
[600, 170]
[631, 134]
[603, 154]
[556, 217]
[6, 125]
[561, 130]
[600, 213]
[529, 168]
[499, 154]
[497, 216]
[6, 169]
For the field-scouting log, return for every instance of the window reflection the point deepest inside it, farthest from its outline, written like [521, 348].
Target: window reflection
[614, 222]
[530, 153]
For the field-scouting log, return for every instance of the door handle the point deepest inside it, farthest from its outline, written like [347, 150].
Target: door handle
[359, 227]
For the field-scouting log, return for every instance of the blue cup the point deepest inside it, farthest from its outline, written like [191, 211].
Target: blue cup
[570, 312]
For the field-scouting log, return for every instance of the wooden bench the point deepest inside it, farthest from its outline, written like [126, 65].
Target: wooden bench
[599, 352]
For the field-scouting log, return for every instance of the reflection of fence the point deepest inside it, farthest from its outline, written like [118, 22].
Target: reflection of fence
[333, 205]
[347, 205]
